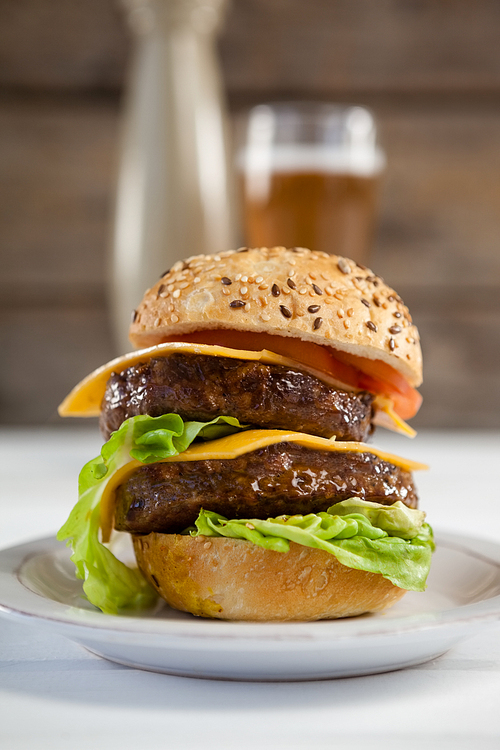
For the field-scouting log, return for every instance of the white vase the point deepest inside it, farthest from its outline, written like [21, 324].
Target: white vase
[173, 195]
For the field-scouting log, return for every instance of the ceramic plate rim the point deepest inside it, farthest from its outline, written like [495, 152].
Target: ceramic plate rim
[14, 604]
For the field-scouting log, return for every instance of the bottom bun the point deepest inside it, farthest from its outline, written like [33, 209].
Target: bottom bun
[232, 579]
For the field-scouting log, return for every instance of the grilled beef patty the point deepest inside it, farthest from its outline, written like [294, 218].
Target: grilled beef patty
[200, 387]
[285, 478]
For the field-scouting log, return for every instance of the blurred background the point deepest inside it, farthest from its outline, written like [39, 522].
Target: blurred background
[429, 71]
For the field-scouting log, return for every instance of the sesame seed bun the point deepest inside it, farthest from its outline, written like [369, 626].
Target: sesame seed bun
[324, 299]
[232, 579]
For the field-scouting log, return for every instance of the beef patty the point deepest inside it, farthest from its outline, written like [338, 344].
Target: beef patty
[284, 478]
[200, 387]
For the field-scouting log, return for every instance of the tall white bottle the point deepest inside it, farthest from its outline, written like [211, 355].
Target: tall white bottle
[173, 196]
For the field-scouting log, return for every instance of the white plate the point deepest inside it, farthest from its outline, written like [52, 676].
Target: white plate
[37, 584]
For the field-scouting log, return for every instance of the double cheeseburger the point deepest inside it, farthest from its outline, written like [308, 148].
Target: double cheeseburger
[236, 454]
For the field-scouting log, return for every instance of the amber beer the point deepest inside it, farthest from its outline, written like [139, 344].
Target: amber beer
[309, 176]
[321, 210]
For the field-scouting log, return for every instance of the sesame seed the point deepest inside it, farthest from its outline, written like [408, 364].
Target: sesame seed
[226, 281]
[292, 272]
[177, 266]
[226, 291]
[317, 323]
[395, 329]
[157, 322]
[325, 276]
[244, 279]
[263, 301]
[350, 312]
[317, 289]
[371, 326]
[176, 294]
[391, 344]
[275, 290]
[237, 277]
[285, 311]
[170, 287]
[340, 313]
[291, 283]
[170, 308]
[385, 305]
[303, 290]
[365, 302]
[174, 318]
[184, 285]
[338, 295]
[312, 275]
[343, 266]
[247, 306]
[243, 289]
[264, 286]
[259, 279]
[217, 258]
[237, 303]
[347, 323]
[265, 317]
[313, 308]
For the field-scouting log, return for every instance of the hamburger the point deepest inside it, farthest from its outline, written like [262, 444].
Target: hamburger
[236, 452]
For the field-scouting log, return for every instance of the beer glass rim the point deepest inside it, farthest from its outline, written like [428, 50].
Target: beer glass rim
[343, 136]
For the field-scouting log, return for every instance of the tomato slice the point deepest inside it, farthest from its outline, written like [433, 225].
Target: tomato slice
[379, 377]
[358, 372]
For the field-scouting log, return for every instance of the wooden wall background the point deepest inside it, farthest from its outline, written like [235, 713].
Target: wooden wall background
[429, 68]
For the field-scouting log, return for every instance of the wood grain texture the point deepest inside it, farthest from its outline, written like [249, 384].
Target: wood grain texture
[57, 161]
[440, 202]
[45, 351]
[62, 44]
[320, 48]
[349, 46]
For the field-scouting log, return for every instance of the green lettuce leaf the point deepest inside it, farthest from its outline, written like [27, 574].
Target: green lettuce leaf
[108, 583]
[367, 536]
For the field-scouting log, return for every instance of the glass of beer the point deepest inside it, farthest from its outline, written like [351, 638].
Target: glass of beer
[309, 174]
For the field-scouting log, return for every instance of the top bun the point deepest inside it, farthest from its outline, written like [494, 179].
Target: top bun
[325, 299]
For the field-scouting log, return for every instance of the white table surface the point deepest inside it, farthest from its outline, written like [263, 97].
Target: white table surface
[53, 694]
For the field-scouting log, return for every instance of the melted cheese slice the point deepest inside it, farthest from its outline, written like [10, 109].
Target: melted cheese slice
[236, 445]
[385, 416]
[86, 397]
